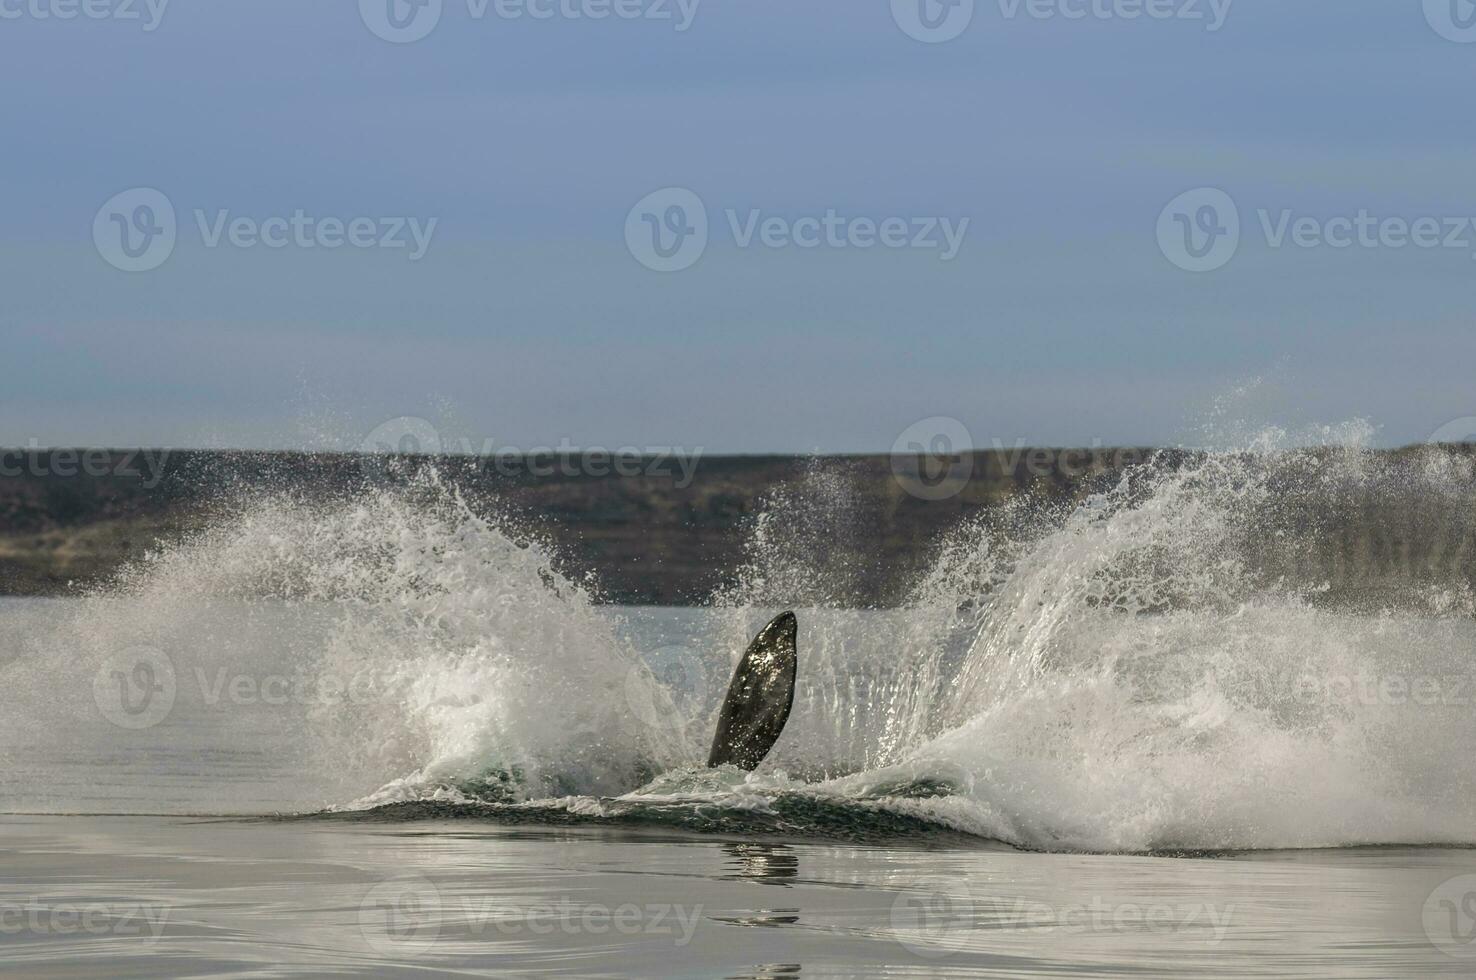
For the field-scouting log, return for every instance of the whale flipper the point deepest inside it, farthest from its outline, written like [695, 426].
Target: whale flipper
[760, 697]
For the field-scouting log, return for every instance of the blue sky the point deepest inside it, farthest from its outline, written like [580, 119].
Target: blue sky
[529, 320]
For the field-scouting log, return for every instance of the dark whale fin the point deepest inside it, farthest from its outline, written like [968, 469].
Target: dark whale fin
[759, 699]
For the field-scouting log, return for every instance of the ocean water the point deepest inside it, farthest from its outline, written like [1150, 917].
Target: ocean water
[1142, 735]
[169, 897]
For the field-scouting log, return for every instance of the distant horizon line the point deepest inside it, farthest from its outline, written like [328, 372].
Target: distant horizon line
[6, 450]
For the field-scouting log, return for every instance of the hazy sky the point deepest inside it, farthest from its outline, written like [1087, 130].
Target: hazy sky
[1064, 317]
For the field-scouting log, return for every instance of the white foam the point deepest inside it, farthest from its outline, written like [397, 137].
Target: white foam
[1121, 675]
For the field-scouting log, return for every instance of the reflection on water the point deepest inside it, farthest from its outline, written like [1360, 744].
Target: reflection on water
[155, 897]
[773, 864]
[770, 971]
[769, 864]
[762, 917]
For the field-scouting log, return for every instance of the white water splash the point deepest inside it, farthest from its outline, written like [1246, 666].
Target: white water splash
[1218, 653]
[1144, 670]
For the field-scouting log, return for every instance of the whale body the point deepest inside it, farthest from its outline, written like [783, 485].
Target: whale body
[759, 698]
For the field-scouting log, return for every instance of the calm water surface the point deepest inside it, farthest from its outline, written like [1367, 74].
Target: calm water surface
[175, 897]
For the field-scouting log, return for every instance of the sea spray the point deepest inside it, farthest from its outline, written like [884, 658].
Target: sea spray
[439, 649]
[1263, 648]
[1164, 665]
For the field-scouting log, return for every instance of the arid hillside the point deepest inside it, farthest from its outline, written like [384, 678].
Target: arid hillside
[661, 535]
